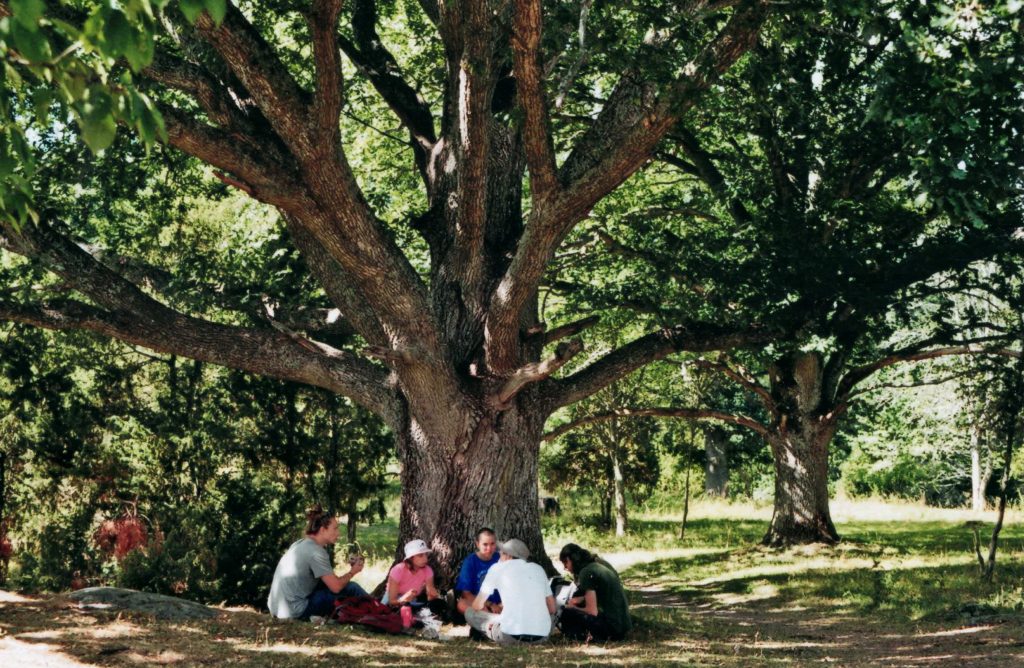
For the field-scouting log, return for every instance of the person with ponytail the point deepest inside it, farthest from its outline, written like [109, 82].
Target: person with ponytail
[305, 583]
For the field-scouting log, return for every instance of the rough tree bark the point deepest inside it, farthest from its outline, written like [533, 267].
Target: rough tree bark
[799, 441]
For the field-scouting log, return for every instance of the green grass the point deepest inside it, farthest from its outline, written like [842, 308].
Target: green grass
[902, 588]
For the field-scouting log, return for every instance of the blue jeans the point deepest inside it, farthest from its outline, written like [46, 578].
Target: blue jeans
[321, 601]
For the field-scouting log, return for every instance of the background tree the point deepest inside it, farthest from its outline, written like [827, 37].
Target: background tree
[839, 174]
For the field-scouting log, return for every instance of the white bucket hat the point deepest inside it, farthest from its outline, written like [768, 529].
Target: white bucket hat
[414, 547]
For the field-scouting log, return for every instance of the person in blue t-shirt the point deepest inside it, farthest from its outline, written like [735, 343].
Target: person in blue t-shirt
[474, 568]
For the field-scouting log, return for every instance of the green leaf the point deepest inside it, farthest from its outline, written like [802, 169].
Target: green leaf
[118, 34]
[192, 9]
[28, 12]
[140, 55]
[30, 43]
[96, 119]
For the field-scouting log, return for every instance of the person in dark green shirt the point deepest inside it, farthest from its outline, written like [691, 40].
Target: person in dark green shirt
[599, 610]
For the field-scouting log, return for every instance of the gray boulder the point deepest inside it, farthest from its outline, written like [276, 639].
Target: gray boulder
[158, 605]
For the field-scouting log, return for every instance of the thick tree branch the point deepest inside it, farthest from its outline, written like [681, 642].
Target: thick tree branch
[261, 352]
[540, 154]
[630, 126]
[534, 372]
[327, 97]
[914, 354]
[659, 412]
[693, 337]
[318, 322]
[744, 379]
[621, 140]
[566, 330]
[707, 170]
[264, 76]
[275, 184]
[125, 312]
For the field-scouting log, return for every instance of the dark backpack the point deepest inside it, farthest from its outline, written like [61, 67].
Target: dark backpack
[369, 612]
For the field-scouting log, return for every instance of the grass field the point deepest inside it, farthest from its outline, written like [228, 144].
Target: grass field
[901, 589]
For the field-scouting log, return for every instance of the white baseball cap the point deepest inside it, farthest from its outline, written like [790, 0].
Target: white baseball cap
[414, 547]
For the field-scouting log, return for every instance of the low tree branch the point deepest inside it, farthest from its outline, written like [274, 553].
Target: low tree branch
[659, 412]
[534, 372]
[693, 337]
[914, 354]
[125, 312]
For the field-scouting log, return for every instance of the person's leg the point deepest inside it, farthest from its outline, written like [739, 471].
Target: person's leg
[481, 620]
[351, 589]
[576, 624]
[319, 603]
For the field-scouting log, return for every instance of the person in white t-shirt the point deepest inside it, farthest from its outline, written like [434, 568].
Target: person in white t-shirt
[526, 597]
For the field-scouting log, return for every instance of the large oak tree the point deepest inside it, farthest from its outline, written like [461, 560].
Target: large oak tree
[454, 358]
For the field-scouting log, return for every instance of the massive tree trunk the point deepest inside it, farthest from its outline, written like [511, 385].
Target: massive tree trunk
[487, 478]
[801, 512]
[799, 440]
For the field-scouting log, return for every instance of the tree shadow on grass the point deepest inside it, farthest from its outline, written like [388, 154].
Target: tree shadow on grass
[834, 608]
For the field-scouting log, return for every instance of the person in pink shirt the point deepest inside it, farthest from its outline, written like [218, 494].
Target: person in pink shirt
[411, 582]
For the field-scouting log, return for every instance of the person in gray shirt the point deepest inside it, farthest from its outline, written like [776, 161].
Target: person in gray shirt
[304, 581]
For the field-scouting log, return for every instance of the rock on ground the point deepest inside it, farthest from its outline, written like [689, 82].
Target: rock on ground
[158, 605]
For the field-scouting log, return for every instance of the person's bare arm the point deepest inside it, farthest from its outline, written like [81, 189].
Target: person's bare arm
[480, 601]
[590, 603]
[431, 590]
[550, 600]
[337, 582]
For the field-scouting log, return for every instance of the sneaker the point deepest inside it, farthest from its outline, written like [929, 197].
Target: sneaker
[430, 633]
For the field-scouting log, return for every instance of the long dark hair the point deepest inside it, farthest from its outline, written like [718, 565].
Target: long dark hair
[317, 518]
[580, 557]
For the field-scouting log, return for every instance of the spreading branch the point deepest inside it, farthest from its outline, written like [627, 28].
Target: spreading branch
[327, 97]
[537, 371]
[265, 77]
[659, 412]
[566, 330]
[540, 154]
[693, 337]
[373, 59]
[742, 377]
[125, 312]
[619, 142]
[914, 354]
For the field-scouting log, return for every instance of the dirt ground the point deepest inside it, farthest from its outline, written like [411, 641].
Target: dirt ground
[701, 626]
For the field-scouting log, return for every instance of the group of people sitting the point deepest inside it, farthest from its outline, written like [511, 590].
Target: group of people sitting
[502, 595]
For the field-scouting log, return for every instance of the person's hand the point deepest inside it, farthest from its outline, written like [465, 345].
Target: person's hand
[496, 608]
[408, 596]
[356, 566]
